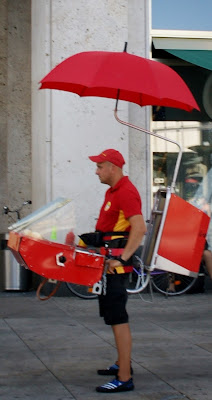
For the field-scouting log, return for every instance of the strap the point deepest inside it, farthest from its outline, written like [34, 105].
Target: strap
[115, 252]
[123, 262]
[44, 281]
[116, 233]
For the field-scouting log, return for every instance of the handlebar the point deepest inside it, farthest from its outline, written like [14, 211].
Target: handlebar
[7, 210]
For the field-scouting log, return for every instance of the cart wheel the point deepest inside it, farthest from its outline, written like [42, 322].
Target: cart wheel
[81, 291]
[137, 280]
[161, 282]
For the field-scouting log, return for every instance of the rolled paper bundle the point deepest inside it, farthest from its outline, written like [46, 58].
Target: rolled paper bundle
[33, 234]
[27, 232]
[36, 235]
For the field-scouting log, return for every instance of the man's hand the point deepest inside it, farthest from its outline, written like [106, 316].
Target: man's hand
[111, 265]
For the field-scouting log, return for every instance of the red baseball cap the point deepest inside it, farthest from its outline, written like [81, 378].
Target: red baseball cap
[110, 155]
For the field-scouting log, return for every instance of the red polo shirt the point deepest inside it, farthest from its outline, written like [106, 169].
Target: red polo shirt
[121, 202]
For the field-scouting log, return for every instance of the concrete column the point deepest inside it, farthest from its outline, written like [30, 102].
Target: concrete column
[15, 134]
[19, 102]
[3, 111]
[139, 143]
[67, 129]
[41, 25]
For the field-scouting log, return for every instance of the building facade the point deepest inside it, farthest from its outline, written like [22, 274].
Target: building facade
[46, 136]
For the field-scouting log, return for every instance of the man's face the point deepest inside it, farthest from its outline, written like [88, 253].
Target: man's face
[104, 171]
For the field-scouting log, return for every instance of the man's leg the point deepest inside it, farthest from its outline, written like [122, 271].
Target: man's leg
[115, 314]
[123, 341]
[207, 258]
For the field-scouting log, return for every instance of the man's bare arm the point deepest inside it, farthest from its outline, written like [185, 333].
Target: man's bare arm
[137, 232]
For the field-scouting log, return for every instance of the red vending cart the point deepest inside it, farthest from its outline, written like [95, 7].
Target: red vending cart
[44, 242]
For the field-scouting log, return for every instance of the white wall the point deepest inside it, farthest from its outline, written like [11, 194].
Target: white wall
[67, 129]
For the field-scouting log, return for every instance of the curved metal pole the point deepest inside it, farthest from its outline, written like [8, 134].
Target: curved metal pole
[177, 165]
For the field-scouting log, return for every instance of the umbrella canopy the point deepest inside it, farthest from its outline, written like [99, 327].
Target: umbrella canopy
[123, 76]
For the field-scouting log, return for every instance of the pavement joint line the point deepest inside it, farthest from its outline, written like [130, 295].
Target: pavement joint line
[154, 317]
[182, 396]
[203, 348]
[89, 329]
[180, 336]
[113, 345]
[175, 397]
[6, 320]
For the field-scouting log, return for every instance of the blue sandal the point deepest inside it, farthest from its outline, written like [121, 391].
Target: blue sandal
[116, 386]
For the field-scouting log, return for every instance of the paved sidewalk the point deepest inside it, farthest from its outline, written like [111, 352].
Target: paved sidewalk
[50, 350]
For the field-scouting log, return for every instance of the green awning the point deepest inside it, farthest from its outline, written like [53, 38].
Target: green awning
[202, 58]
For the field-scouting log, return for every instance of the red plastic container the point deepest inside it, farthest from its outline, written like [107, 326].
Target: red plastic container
[183, 238]
[57, 261]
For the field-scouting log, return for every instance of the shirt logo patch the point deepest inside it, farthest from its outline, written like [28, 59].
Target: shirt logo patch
[107, 206]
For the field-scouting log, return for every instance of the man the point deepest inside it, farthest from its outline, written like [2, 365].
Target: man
[119, 216]
[207, 259]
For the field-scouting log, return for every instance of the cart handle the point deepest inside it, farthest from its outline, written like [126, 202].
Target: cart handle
[177, 165]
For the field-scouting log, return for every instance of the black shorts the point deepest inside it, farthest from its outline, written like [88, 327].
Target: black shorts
[112, 306]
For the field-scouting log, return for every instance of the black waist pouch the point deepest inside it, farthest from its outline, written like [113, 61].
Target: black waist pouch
[94, 239]
[118, 243]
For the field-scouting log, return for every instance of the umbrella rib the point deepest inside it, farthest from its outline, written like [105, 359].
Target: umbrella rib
[82, 91]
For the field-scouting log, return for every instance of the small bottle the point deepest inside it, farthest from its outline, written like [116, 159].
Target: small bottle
[70, 237]
[53, 233]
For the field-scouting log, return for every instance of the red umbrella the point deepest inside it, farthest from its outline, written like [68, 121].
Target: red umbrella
[123, 76]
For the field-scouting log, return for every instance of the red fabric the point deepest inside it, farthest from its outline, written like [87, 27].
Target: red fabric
[110, 155]
[118, 252]
[122, 197]
[121, 202]
[123, 76]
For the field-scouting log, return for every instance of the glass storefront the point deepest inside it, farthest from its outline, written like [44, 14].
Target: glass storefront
[182, 50]
[194, 181]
